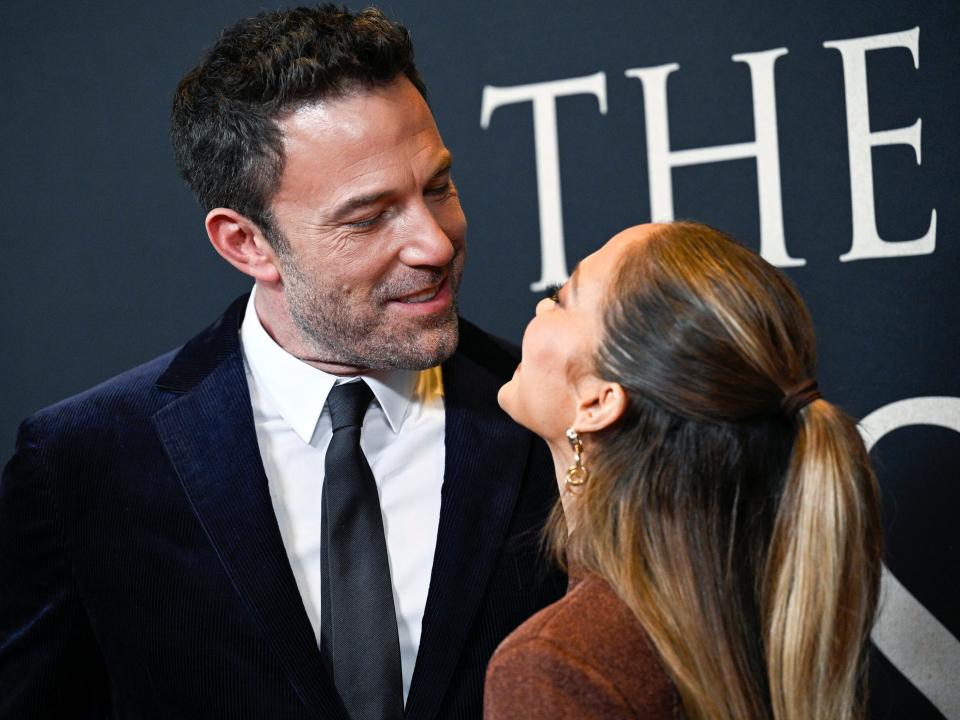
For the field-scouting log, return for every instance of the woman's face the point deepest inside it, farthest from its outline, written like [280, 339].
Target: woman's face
[560, 343]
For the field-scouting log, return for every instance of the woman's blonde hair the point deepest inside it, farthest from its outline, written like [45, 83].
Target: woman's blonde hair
[746, 539]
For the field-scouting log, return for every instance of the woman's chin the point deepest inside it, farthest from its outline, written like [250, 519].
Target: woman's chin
[505, 396]
[508, 401]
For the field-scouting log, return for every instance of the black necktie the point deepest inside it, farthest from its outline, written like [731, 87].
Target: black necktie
[358, 625]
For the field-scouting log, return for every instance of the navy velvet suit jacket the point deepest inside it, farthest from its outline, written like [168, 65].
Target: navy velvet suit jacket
[143, 575]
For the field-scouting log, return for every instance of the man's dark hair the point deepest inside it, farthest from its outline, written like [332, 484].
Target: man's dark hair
[223, 124]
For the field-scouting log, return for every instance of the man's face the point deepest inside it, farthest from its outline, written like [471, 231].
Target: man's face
[374, 233]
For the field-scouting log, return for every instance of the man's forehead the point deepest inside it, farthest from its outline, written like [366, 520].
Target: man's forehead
[363, 144]
[393, 108]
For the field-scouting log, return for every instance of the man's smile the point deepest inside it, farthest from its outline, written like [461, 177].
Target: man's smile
[426, 301]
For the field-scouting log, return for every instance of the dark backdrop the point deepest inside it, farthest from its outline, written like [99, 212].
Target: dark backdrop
[106, 264]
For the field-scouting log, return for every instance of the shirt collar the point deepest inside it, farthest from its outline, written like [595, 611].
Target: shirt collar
[300, 390]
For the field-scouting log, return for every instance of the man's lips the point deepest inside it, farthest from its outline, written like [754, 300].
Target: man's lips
[421, 295]
[425, 301]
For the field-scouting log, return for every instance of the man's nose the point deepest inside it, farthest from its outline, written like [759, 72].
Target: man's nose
[427, 242]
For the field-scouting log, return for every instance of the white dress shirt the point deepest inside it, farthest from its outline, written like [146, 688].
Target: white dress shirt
[403, 440]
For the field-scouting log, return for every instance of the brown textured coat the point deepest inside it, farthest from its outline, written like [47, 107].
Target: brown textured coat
[585, 656]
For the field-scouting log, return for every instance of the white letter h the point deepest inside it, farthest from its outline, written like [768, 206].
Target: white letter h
[661, 159]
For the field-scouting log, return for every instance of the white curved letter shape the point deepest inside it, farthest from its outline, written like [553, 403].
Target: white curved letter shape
[911, 638]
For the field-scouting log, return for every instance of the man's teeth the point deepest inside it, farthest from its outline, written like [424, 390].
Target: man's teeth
[422, 297]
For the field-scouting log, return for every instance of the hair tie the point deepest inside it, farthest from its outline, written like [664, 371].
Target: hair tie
[798, 397]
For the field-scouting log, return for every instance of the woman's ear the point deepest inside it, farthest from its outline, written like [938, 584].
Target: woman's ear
[241, 243]
[601, 404]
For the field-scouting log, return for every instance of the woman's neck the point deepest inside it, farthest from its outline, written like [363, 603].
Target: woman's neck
[562, 459]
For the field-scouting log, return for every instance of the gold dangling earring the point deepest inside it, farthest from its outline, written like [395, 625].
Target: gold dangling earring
[577, 473]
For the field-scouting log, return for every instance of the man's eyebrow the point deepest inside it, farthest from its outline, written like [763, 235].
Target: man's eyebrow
[355, 203]
[347, 207]
[444, 164]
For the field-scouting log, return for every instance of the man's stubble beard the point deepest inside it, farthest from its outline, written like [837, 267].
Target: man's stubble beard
[368, 340]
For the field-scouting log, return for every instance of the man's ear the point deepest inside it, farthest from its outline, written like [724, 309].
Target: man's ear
[241, 243]
[601, 404]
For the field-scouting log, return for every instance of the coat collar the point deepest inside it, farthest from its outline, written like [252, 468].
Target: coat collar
[203, 353]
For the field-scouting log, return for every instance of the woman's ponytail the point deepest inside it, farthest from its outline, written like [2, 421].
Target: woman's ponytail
[823, 571]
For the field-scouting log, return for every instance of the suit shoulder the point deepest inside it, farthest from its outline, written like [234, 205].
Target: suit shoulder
[591, 613]
[592, 631]
[546, 668]
[497, 355]
[141, 391]
[131, 393]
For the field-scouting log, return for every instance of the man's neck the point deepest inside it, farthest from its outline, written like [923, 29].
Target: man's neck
[276, 321]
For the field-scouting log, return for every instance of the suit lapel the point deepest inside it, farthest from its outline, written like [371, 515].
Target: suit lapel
[210, 439]
[482, 475]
